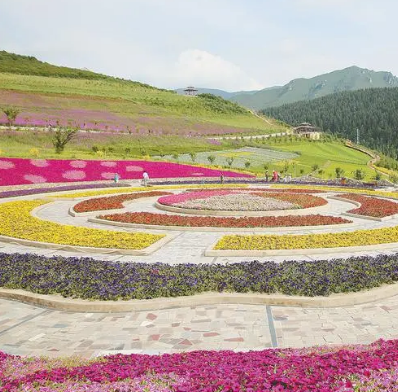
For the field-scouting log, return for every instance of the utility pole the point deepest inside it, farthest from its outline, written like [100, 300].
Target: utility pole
[357, 136]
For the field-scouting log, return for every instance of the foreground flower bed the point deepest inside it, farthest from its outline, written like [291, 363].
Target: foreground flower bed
[112, 202]
[98, 279]
[372, 206]
[16, 171]
[309, 241]
[148, 218]
[16, 221]
[360, 368]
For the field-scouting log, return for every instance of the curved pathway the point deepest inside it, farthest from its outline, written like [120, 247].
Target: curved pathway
[31, 330]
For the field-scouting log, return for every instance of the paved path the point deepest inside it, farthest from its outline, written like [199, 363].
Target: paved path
[29, 330]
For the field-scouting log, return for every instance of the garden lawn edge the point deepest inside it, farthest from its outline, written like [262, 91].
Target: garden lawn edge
[58, 302]
[300, 211]
[215, 229]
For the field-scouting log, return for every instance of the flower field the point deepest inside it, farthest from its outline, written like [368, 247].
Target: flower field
[372, 206]
[15, 171]
[34, 229]
[106, 280]
[112, 202]
[148, 218]
[361, 368]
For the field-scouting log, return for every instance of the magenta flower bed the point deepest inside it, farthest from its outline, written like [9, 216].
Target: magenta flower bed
[181, 197]
[15, 171]
[345, 369]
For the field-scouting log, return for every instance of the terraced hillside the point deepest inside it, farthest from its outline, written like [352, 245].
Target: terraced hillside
[47, 94]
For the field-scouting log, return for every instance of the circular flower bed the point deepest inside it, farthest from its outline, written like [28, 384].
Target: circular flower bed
[241, 200]
[148, 218]
[16, 221]
[112, 202]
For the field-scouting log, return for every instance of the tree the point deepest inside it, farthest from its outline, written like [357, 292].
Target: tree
[266, 166]
[175, 156]
[211, 159]
[11, 114]
[359, 174]
[230, 161]
[247, 164]
[193, 156]
[61, 137]
[315, 167]
[339, 172]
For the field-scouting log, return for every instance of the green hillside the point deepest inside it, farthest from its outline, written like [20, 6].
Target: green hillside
[348, 79]
[374, 112]
[45, 93]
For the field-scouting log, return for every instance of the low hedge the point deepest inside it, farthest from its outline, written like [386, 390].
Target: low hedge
[95, 279]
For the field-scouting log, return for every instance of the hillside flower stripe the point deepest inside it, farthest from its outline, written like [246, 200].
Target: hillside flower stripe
[16, 171]
[16, 221]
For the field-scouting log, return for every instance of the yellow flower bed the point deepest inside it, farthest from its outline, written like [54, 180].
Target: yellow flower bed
[141, 189]
[309, 241]
[16, 221]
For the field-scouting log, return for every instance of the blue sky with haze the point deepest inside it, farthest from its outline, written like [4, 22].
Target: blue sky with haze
[227, 44]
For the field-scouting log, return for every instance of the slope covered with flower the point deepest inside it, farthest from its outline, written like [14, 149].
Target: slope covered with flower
[15, 171]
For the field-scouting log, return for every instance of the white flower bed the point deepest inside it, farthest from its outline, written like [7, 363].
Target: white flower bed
[237, 202]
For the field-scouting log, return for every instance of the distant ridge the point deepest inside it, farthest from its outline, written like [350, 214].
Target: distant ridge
[348, 79]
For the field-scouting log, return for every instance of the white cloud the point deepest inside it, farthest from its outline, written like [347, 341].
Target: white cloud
[203, 69]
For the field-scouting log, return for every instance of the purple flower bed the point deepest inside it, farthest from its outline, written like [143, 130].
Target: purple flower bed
[357, 368]
[16, 171]
[34, 191]
[97, 279]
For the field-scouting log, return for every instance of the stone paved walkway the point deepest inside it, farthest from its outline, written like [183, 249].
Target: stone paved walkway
[29, 330]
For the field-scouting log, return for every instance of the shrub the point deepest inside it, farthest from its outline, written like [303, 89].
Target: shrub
[61, 137]
[11, 114]
[339, 172]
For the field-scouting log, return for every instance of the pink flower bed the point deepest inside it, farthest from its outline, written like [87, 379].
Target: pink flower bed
[182, 197]
[15, 171]
[323, 369]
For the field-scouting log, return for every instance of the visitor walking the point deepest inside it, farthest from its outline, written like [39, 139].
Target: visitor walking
[116, 178]
[145, 178]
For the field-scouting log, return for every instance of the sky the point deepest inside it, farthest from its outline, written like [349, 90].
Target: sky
[231, 45]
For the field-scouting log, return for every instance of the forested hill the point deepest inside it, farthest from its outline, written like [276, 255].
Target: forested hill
[373, 111]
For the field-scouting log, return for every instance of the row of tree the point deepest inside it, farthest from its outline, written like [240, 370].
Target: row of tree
[374, 112]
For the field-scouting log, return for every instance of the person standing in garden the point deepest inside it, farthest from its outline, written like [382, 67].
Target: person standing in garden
[275, 176]
[145, 178]
[116, 178]
[266, 176]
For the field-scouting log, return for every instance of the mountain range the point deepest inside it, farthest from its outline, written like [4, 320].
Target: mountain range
[348, 79]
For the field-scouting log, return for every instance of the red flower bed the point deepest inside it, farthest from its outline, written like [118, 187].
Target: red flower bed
[112, 202]
[148, 218]
[372, 206]
[345, 369]
[303, 200]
